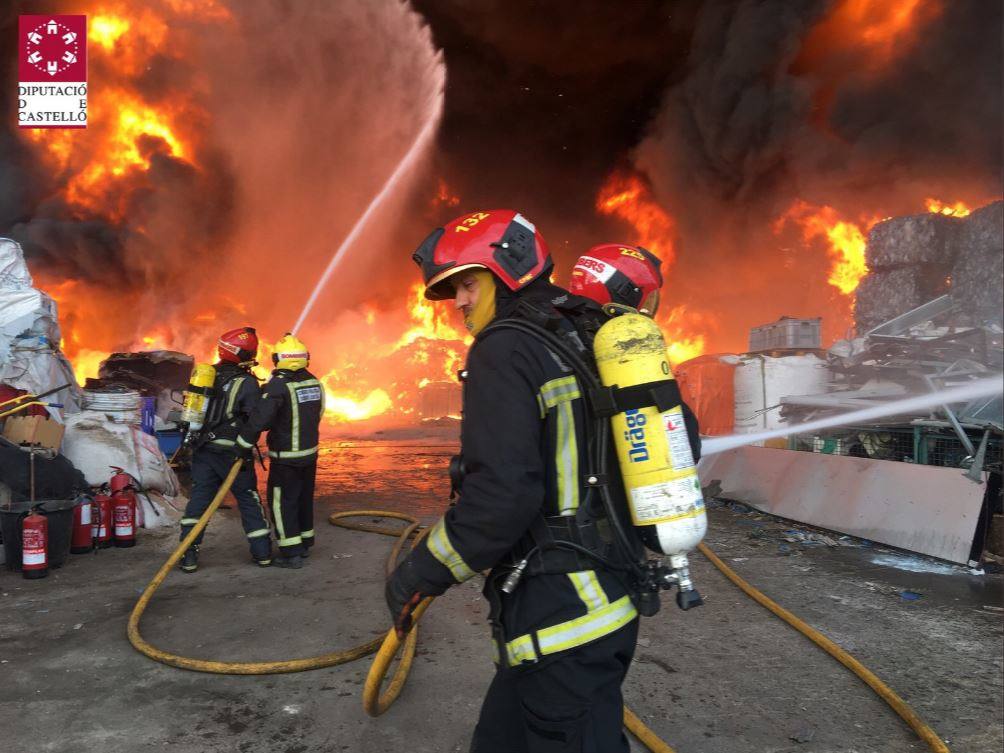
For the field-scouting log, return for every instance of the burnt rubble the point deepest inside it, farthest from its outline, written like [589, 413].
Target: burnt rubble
[162, 374]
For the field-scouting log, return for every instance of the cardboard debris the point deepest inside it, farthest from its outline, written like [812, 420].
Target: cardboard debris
[34, 430]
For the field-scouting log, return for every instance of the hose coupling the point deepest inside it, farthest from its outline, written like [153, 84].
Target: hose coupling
[512, 579]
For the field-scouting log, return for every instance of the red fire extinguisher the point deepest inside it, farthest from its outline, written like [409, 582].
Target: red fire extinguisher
[82, 541]
[34, 546]
[101, 521]
[123, 508]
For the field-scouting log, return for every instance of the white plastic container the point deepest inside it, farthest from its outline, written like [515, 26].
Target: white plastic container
[761, 382]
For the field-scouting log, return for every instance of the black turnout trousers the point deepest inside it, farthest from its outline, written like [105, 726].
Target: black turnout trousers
[209, 468]
[569, 703]
[291, 497]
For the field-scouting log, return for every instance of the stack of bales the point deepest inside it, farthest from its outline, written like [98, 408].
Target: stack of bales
[914, 259]
[978, 274]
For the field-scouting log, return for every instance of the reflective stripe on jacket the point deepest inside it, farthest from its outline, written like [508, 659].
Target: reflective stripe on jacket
[524, 449]
[290, 409]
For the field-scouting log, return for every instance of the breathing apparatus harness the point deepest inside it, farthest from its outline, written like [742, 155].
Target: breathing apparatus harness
[216, 412]
[557, 544]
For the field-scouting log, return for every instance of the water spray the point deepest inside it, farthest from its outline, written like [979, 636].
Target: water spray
[416, 150]
[986, 387]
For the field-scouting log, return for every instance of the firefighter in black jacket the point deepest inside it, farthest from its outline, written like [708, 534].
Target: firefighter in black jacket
[564, 638]
[290, 409]
[236, 394]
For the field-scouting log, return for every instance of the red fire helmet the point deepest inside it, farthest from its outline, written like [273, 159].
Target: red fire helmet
[616, 273]
[238, 345]
[500, 240]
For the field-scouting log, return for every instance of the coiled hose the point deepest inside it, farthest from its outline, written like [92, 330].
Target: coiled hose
[247, 668]
[387, 647]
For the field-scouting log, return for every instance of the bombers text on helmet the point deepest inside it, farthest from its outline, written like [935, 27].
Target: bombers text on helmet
[500, 240]
[238, 345]
[616, 273]
[290, 353]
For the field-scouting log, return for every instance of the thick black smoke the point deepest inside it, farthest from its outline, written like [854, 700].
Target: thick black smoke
[755, 125]
[543, 100]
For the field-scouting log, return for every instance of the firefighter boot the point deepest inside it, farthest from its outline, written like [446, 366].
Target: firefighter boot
[261, 551]
[294, 561]
[190, 562]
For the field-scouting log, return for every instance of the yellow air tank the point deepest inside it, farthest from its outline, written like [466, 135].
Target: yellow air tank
[197, 397]
[653, 449]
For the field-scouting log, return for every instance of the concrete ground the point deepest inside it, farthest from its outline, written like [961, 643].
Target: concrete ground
[725, 678]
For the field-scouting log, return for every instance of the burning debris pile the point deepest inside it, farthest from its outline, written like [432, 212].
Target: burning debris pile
[912, 260]
[912, 344]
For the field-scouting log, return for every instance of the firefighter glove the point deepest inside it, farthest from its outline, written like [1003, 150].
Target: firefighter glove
[404, 591]
[240, 452]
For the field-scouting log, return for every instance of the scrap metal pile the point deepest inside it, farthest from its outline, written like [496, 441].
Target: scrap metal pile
[931, 313]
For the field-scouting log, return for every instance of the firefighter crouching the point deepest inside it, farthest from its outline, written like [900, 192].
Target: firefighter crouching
[235, 394]
[565, 637]
[290, 409]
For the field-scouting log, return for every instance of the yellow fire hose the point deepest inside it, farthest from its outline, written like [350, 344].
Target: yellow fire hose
[387, 647]
[234, 668]
[884, 692]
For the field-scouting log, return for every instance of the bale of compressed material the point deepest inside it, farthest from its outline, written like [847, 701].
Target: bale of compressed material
[917, 239]
[978, 273]
[886, 293]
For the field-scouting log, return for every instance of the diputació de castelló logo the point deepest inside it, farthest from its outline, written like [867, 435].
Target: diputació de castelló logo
[52, 71]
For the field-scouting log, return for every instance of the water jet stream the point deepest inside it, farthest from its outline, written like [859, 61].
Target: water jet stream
[986, 387]
[417, 149]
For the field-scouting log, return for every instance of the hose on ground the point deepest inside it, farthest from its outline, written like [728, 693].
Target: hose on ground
[388, 646]
[252, 668]
[901, 707]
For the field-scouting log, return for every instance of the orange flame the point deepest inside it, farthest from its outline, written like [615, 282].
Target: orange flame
[958, 209]
[444, 196]
[339, 408]
[86, 364]
[846, 240]
[429, 320]
[430, 348]
[120, 150]
[105, 30]
[628, 198]
[682, 346]
[876, 30]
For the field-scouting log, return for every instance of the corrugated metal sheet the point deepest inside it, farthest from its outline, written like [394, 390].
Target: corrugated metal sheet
[919, 508]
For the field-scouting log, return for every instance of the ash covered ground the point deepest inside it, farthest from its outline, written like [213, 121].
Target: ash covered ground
[725, 678]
